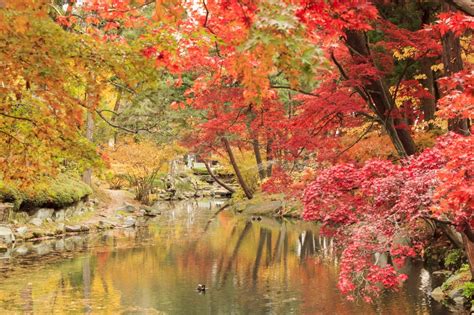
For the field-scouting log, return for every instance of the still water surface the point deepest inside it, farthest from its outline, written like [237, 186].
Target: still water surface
[250, 267]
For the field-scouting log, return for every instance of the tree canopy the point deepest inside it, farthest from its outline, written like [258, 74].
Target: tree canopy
[361, 109]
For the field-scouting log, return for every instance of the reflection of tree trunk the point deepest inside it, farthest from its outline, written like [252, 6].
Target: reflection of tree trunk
[269, 248]
[215, 215]
[269, 157]
[285, 252]
[209, 170]
[258, 158]
[240, 178]
[245, 231]
[258, 257]
[86, 278]
[26, 295]
[223, 253]
[307, 249]
[279, 243]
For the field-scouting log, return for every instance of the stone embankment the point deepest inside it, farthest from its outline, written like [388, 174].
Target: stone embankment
[118, 211]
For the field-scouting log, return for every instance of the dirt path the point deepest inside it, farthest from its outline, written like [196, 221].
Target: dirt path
[113, 200]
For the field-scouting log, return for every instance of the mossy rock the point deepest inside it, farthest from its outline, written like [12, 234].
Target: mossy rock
[56, 193]
[10, 194]
[263, 204]
[200, 171]
[453, 290]
[457, 280]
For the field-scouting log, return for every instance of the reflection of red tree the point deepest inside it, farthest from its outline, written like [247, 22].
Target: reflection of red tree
[102, 257]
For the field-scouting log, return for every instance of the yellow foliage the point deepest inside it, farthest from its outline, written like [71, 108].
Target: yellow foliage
[374, 145]
[437, 67]
[405, 53]
[420, 76]
[248, 168]
[140, 157]
[467, 51]
[402, 99]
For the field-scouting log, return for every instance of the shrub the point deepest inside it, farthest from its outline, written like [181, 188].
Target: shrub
[58, 192]
[117, 181]
[248, 169]
[454, 259]
[141, 162]
[468, 290]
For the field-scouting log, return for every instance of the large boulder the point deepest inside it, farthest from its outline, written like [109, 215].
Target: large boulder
[5, 210]
[270, 207]
[451, 291]
[6, 235]
[36, 221]
[44, 213]
[127, 208]
[20, 251]
[22, 230]
[42, 248]
[149, 211]
[59, 215]
[437, 294]
[129, 222]
[72, 228]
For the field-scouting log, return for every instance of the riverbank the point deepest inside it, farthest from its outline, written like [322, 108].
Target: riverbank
[273, 205]
[105, 209]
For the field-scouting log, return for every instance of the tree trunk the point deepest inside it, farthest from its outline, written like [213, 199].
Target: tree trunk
[454, 236]
[269, 157]
[469, 247]
[258, 158]
[209, 170]
[255, 143]
[87, 176]
[240, 178]
[453, 63]
[467, 6]
[114, 139]
[428, 105]
[376, 93]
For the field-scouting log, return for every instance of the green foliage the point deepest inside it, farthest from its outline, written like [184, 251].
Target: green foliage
[10, 194]
[184, 185]
[151, 108]
[468, 290]
[454, 259]
[143, 185]
[58, 192]
[200, 171]
[464, 268]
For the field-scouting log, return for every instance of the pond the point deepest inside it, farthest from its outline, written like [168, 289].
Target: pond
[249, 266]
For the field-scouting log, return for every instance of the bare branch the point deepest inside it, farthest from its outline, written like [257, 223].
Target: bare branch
[293, 89]
[18, 118]
[362, 135]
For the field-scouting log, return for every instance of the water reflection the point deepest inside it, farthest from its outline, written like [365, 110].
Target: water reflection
[250, 267]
